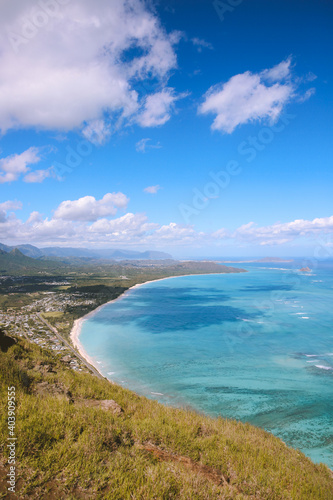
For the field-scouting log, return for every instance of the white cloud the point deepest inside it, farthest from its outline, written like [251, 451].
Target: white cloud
[279, 72]
[142, 145]
[201, 44]
[250, 97]
[13, 166]
[39, 175]
[136, 230]
[87, 222]
[177, 233]
[6, 206]
[126, 228]
[78, 63]
[152, 189]
[10, 205]
[35, 217]
[90, 209]
[97, 132]
[280, 233]
[307, 95]
[73, 225]
[157, 108]
[221, 234]
[130, 229]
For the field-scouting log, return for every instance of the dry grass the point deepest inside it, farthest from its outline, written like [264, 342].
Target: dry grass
[68, 449]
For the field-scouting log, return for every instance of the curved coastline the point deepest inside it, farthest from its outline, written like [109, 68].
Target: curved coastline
[77, 326]
[75, 338]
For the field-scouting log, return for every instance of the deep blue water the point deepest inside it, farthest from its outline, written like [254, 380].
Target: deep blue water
[256, 346]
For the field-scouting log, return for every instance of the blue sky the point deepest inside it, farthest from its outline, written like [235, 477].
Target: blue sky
[199, 128]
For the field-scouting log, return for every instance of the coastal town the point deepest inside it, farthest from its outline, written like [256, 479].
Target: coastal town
[44, 309]
[32, 322]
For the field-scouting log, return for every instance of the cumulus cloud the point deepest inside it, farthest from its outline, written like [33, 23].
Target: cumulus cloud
[152, 189]
[34, 217]
[39, 175]
[13, 166]
[279, 72]
[177, 233]
[157, 108]
[130, 229]
[136, 230]
[250, 97]
[126, 228]
[90, 209]
[6, 206]
[221, 234]
[88, 221]
[280, 233]
[97, 132]
[80, 62]
[10, 205]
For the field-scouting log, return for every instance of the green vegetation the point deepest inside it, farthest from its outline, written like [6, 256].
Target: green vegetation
[52, 315]
[76, 290]
[83, 437]
[15, 263]
[70, 447]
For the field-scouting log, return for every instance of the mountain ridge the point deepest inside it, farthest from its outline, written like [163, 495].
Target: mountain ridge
[99, 253]
[15, 261]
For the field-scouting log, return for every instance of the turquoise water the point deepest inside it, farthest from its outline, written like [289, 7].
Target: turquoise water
[255, 346]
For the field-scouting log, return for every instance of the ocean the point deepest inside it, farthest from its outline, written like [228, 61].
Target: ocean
[255, 346]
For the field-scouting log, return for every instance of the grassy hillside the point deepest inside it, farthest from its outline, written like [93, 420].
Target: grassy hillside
[72, 444]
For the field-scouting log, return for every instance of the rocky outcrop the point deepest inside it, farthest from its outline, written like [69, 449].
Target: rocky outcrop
[104, 404]
[43, 388]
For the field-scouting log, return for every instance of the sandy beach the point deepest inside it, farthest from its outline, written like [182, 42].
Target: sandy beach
[76, 330]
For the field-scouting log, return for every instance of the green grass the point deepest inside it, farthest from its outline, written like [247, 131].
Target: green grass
[52, 314]
[147, 452]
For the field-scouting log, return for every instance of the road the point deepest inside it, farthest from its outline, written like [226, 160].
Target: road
[71, 348]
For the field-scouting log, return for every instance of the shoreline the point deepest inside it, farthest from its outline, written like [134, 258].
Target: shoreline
[77, 325]
[77, 330]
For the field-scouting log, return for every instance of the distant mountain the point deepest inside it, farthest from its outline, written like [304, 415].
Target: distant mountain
[69, 252]
[108, 253]
[154, 255]
[28, 250]
[4, 248]
[104, 253]
[14, 262]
